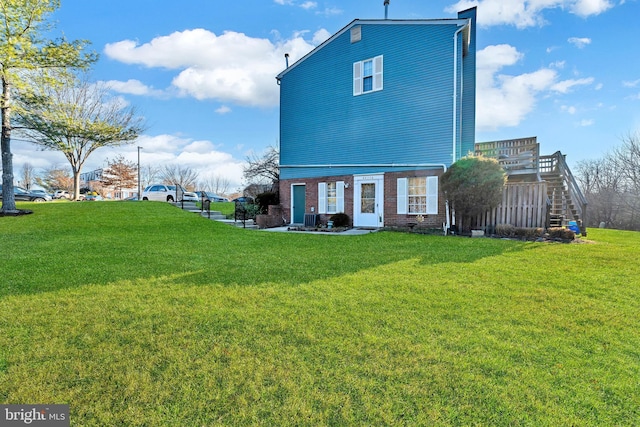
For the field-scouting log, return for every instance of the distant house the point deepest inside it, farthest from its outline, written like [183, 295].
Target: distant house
[371, 118]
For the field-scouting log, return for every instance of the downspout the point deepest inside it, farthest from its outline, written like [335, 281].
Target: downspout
[455, 90]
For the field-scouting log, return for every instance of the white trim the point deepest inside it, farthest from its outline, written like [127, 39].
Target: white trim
[357, 78]
[322, 197]
[432, 195]
[340, 197]
[443, 21]
[377, 73]
[401, 196]
[377, 218]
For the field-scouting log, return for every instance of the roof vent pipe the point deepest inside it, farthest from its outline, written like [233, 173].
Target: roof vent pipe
[286, 59]
[386, 9]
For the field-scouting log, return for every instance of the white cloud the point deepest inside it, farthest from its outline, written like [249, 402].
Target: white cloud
[223, 110]
[565, 85]
[598, 86]
[231, 67]
[634, 83]
[586, 8]
[133, 87]
[201, 156]
[330, 11]
[586, 122]
[304, 5]
[568, 109]
[320, 36]
[527, 13]
[558, 64]
[579, 42]
[505, 100]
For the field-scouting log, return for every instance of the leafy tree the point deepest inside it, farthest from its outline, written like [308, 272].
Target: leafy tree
[23, 48]
[175, 174]
[473, 185]
[264, 169]
[120, 173]
[77, 118]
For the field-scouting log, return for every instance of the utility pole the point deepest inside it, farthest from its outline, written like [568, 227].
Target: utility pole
[139, 183]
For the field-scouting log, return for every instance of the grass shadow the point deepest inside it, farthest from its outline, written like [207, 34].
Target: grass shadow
[73, 244]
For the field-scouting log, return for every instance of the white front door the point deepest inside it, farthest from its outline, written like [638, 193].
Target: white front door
[368, 201]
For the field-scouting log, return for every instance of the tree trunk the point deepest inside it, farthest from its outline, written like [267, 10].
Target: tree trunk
[8, 197]
[76, 184]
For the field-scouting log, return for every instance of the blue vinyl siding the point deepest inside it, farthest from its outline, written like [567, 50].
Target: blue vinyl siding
[408, 122]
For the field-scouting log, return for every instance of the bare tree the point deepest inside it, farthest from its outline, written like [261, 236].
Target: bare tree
[56, 178]
[120, 173]
[612, 185]
[264, 169]
[602, 185]
[149, 175]
[28, 175]
[216, 184]
[175, 174]
[77, 118]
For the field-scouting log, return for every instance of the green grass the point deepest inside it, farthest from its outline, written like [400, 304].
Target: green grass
[141, 314]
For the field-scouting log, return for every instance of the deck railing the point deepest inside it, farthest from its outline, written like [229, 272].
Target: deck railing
[516, 156]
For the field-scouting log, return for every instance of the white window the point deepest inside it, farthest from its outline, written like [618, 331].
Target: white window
[367, 76]
[418, 195]
[330, 197]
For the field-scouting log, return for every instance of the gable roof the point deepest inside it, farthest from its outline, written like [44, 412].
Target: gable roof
[446, 21]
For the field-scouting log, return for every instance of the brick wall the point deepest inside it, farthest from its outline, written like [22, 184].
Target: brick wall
[391, 218]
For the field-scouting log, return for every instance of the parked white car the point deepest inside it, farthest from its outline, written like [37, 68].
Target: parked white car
[61, 194]
[168, 193]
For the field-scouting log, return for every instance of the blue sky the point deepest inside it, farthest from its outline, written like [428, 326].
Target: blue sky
[202, 72]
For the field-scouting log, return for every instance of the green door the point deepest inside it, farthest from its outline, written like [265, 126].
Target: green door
[298, 204]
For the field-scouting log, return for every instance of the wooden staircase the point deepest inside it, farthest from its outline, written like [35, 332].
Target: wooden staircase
[567, 203]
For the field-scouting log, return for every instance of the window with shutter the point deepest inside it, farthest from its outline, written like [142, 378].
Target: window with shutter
[367, 75]
[418, 195]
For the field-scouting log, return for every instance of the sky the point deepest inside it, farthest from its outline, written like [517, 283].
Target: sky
[202, 72]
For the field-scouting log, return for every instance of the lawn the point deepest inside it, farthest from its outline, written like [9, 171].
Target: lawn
[139, 314]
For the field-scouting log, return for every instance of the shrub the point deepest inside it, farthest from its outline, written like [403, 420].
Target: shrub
[263, 200]
[534, 233]
[561, 233]
[505, 230]
[340, 220]
[473, 185]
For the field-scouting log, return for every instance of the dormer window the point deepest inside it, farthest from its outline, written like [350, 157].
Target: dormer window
[367, 76]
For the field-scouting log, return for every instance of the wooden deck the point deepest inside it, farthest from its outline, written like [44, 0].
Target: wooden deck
[540, 190]
[517, 156]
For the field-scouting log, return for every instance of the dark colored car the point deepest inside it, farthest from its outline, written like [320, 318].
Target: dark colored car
[23, 195]
[243, 199]
[212, 197]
